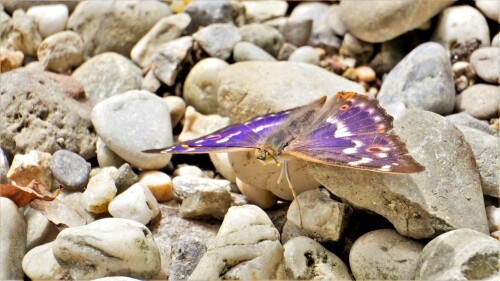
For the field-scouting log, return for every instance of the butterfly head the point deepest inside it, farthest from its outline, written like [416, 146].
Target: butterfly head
[266, 156]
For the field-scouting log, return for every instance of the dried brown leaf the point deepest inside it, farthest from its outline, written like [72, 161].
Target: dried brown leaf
[58, 213]
[23, 195]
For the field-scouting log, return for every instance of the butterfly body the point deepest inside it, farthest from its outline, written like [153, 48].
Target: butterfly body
[348, 130]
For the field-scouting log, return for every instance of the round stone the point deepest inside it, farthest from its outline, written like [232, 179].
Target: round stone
[246, 51]
[306, 54]
[136, 203]
[264, 36]
[177, 107]
[491, 9]
[258, 196]
[218, 40]
[485, 62]
[61, 51]
[50, 18]
[70, 170]
[12, 239]
[159, 183]
[480, 100]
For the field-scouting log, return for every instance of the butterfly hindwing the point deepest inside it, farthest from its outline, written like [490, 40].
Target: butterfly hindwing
[353, 131]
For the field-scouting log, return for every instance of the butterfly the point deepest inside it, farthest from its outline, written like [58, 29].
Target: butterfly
[349, 130]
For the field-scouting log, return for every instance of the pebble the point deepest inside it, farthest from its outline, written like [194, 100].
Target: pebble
[495, 42]
[286, 51]
[124, 177]
[200, 86]
[334, 20]
[125, 22]
[383, 21]
[158, 183]
[33, 108]
[491, 9]
[218, 39]
[440, 201]
[458, 24]
[165, 30]
[465, 119]
[40, 264]
[74, 201]
[222, 165]
[384, 254]
[107, 75]
[39, 229]
[204, 13]
[49, 18]
[323, 219]
[24, 35]
[290, 231]
[297, 32]
[12, 239]
[4, 167]
[150, 82]
[257, 196]
[100, 190]
[493, 215]
[464, 254]
[185, 256]
[263, 36]
[423, 79]
[486, 151]
[246, 51]
[197, 125]
[321, 34]
[70, 170]
[148, 120]
[357, 49]
[485, 62]
[260, 11]
[480, 101]
[202, 197]
[306, 259]
[176, 107]
[34, 165]
[188, 170]
[109, 246]
[62, 51]
[168, 58]
[69, 85]
[137, 203]
[306, 54]
[10, 60]
[365, 73]
[106, 157]
[246, 247]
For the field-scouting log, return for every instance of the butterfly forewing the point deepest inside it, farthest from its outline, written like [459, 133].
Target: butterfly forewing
[353, 131]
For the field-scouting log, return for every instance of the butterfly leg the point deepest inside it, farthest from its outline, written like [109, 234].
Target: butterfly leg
[284, 171]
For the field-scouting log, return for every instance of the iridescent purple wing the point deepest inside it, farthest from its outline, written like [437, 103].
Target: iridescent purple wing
[353, 131]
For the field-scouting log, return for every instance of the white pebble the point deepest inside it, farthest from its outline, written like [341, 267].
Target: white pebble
[50, 18]
[136, 203]
[159, 183]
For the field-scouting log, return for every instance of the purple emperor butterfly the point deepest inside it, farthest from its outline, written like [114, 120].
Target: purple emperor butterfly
[350, 130]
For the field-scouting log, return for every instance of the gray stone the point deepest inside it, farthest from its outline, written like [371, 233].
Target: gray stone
[481, 101]
[106, 247]
[323, 219]
[298, 32]
[186, 254]
[321, 34]
[246, 247]
[12, 240]
[38, 228]
[306, 259]
[334, 20]
[124, 23]
[384, 254]
[147, 120]
[4, 167]
[465, 119]
[202, 197]
[165, 30]
[218, 39]
[290, 231]
[70, 170]
[200, 86]
[459, 24]
[36, 114]
[359, 50]
[40, 264]
[61, 51]
[487, 152]
[286, 51]
[245, 90]
[264, 36]
[382, 21]
[124, 177]
[107, 75]
[462, 254]
[446, 196]
[246, 51]
[485, 62]
[259, 11]
[168, 58]
[306, 54]
[204, 13]
[423, 80]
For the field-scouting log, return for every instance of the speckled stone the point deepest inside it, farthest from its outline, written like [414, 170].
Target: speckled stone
[70, 170]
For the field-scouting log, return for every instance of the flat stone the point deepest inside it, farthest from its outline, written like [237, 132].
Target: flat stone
[254, 195]
[61, 51]
[32, 166]
[264, 36]
[321, 34]
[246, 51]
[433, 201]
[246, 247]
[204, 13]
[485, 63]
[165, 30]
[423, 79]
[107, 75]
[384, 254]
[459, 24]
[465, 119]
[70, 170]
[109, 246]
[259, 11]
[39, 229]
[306, 259]
[148, 121]
[137, 203]
[464, 254]
[125, 22]
[49, 18]
[481, 101]
[168, 58]
[36, 115]
[218, 39]
[12, 240]
[40, 264]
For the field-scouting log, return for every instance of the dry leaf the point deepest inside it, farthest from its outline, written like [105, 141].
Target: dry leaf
[58, 213]
[22, 196]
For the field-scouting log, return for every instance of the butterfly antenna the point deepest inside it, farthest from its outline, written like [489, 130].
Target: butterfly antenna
[284, 170]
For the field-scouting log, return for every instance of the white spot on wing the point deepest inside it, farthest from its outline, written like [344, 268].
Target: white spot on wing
[191, 149]
[331, 120]
[350, 150]
[385, 168]
[358, 143]
[363, 160]
[342, 131]
[228, 137]
[381, 155]
[200, 141]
